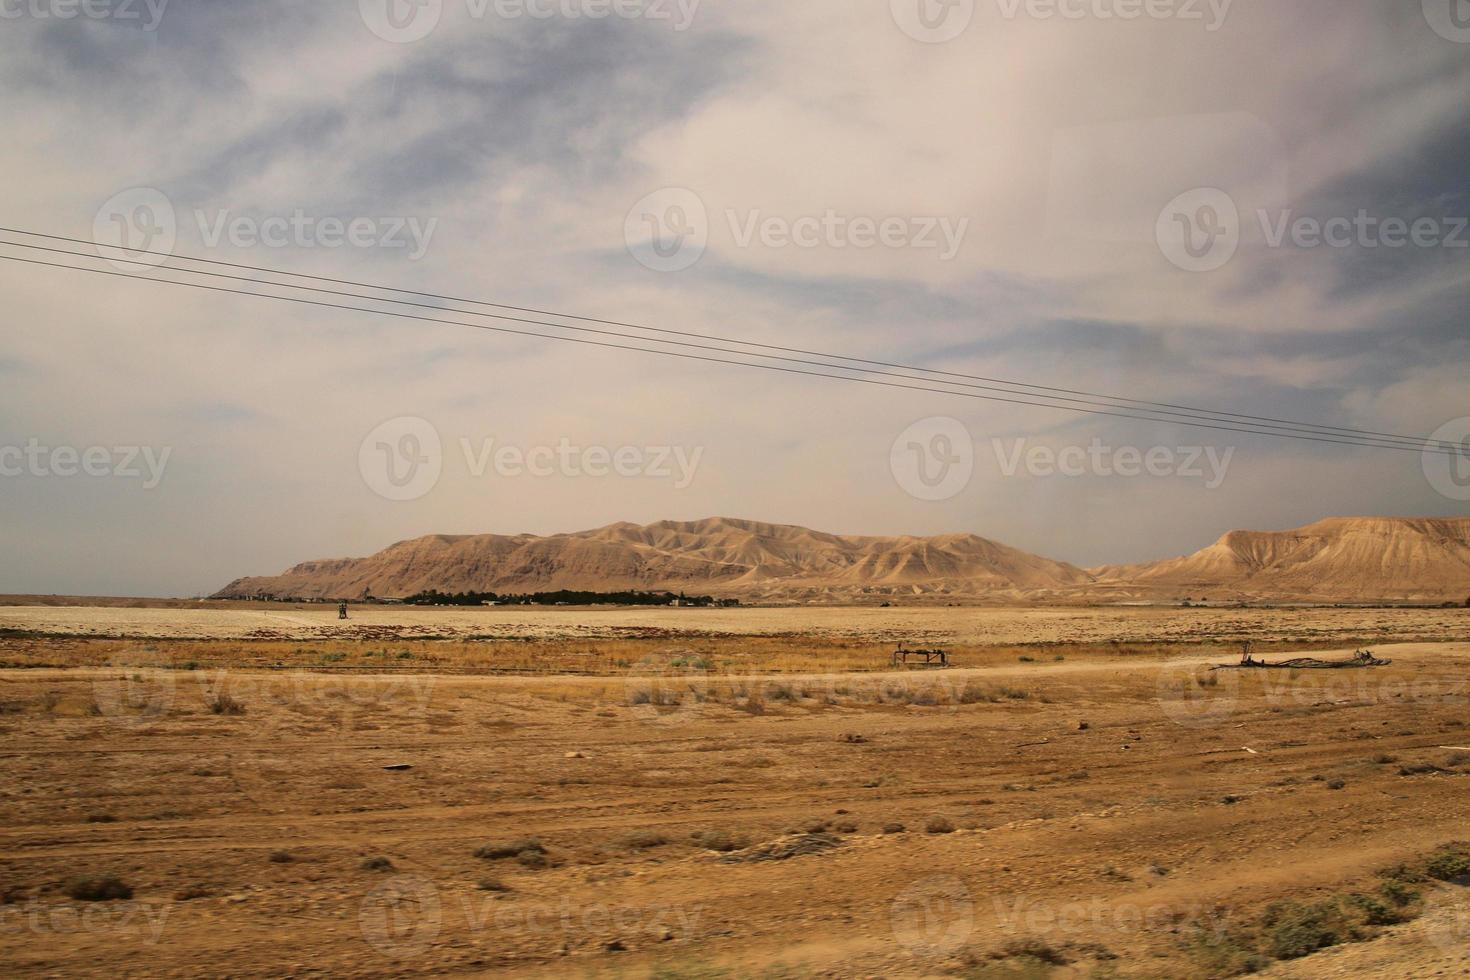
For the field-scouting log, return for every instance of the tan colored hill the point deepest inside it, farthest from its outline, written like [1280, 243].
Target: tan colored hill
[717, 556]
[1336, 560]
[1341, 559]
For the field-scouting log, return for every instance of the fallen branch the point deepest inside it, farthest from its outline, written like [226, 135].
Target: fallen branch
[1363, 658]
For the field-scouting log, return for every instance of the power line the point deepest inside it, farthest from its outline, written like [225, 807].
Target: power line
[1366, 440]
[698, 357]
[1110, 401]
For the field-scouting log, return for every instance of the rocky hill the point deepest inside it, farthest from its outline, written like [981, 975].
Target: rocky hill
[716, 556]
[1336, 560]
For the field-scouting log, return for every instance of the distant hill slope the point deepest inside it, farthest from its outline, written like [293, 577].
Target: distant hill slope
[1338, 559]
[1341, 559]
[719, 555]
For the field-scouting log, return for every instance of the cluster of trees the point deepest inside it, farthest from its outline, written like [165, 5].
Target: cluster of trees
[566, 597]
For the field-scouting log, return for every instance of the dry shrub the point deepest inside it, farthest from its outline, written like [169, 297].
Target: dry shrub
[498, 852]
[719, 840]
[224, 704]
[644, 839]
[108, 888]
[939, 825]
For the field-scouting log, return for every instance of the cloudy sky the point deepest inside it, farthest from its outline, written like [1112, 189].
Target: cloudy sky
[994, 188]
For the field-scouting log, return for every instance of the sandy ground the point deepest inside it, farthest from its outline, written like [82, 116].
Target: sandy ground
[1107, 812]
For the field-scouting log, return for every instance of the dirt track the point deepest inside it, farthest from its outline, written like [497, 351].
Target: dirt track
[1115, 845]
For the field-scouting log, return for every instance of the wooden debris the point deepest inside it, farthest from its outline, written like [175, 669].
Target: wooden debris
[1363, 658]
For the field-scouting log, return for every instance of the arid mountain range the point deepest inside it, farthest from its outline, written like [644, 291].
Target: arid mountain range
[1335, 560]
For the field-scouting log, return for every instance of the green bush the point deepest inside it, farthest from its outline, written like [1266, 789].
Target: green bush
[1374, 912]
[1448, 864]
[1295, 930]
[1398, 893]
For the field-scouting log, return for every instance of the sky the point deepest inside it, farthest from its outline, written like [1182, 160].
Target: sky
[1106, 196]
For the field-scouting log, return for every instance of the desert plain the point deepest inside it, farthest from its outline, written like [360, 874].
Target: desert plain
[263, 790]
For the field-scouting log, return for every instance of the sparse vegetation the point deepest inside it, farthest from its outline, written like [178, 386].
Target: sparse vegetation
[533, 859]
[515, 848]
[640, 840]
[1449, 864]
[719, 840]
[1105, 753]
[107, 888]
[225, 704]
